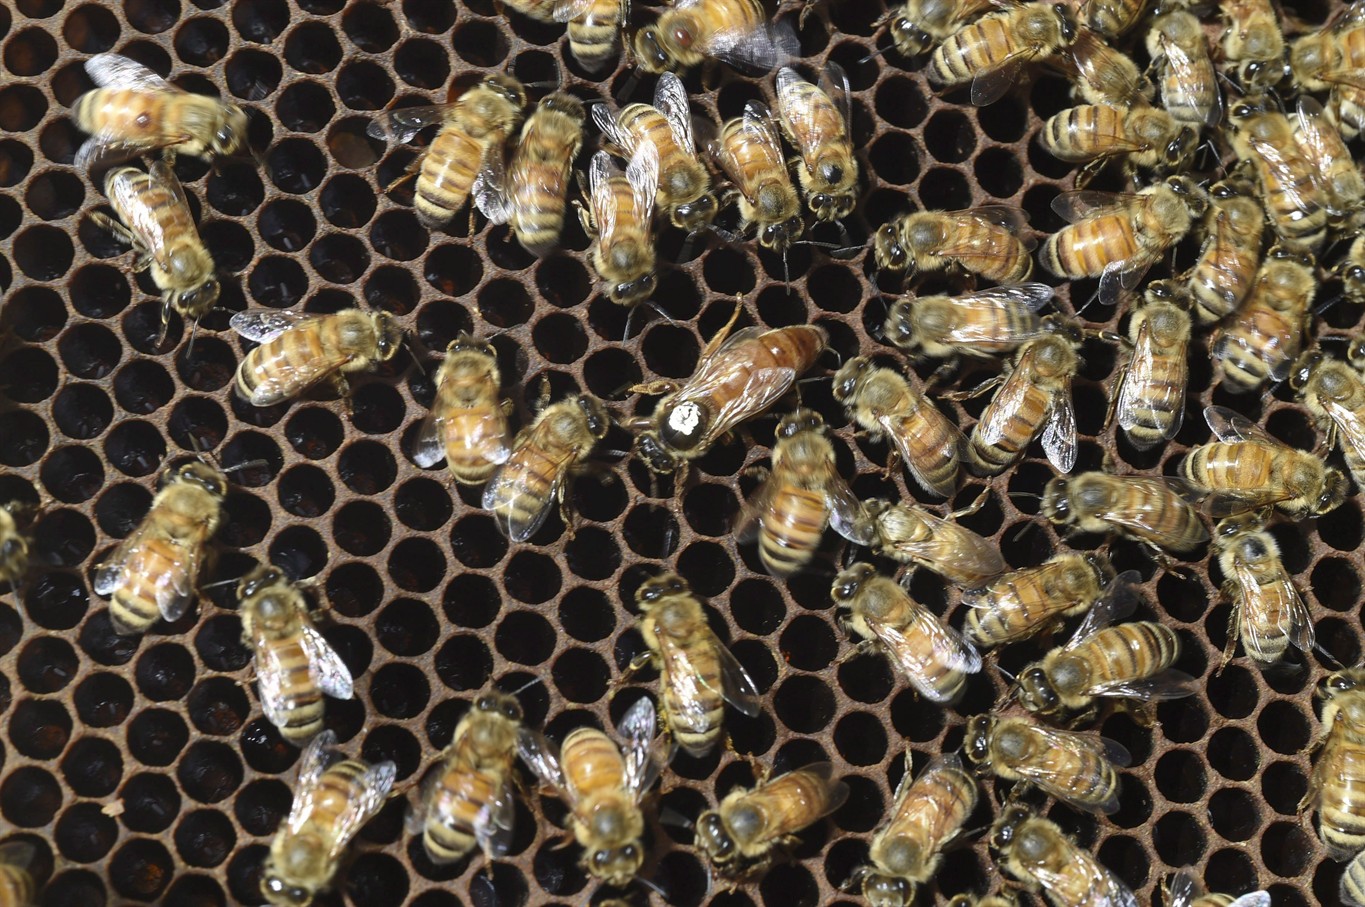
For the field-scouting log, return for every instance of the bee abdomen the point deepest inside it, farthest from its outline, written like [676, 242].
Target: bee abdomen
[133, 607]
[16, 886]
[447, 173]
[301, 706]
[460, 797]
[792, 529]
[593, 38]
[1131, 651]
[1341, 808]
[982, 46]
[1087, 248]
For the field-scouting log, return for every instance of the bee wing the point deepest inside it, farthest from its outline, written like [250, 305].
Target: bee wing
[333, 677]
[1105, 890]
[642, 173]
[600, 195]
[429, 447]
[115, 71]
[1141, 373]
[1007, 400]
[173, 589]
[494, 823]
[736, 687]
[1320, 138]
[270, 675]
[1021, 300]
[670, 99]
[750, 519]
[262, 325]
[1232, 427]
[1293, 619]
[114, 572]
[757, 129]
[490, 191]
[1168, 684]
[1081, 204]
[568, 10]
[374, 785]
[1282, 162]
[1059, 435]
[400, 125]
[1117, 603]
[1350, 427]
[146, 225]
[946, 650]
[846, 511]
[1253, 899]
[1189, 71]
[1142, 509]
[954, 448]
[990, 86]
[504, 485]
[1181, 889]
[1006, 216]
[1045, 774]
[807, 129]
[758, 49]
[317, 755]
[637, 732]
[762, 388]
[542, 756]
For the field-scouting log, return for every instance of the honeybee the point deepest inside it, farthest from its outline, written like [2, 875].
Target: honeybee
[989, 52]
[18, 888]
[1264, 337]
[468, 801]
[983, 241]
[1231, 255]
[1334, 392]
[803, 495]
[1150, 397]
[1254, 43]
[738, 376]
[917, 25]
[1023, 603]
[1333, 790]
[697, 673]
[816, 122]
[1352, 271]
[984, 324]
[735, 31]
[1037, 853]
[298, 350]
[333, 797]
[743, 835]
[1147, 137]
[295, 665]
[1004, 899]
[1104, 75]
[467, 425]
[912, 535]
[467, 151]
[888, 407]
[13, 542]
[161, 230]
[154, 571]
[932, 656]
[750, 153]
[620, 222]
[1111, 18]
[1332, 56]
[134, 110]
[535, 475]
[927, 816]
[1034, 395]
[1186, 75]
[1155, 510]
[1290, 184]
[684, 185]
[1118, 237]
[1246, 469]
[535, 189]
[1320, 141]
[593, 32]
[1076, 768]
[603, 785]
[1267, 612]
[1183, 891]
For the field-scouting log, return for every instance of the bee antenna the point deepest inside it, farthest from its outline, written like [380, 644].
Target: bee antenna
[527, 685]
[875, 54]
[222, 582]
[189, 347]
[1328, 657]
[1006, 674]
[1024, 494]
[652, 886]
[786, 272]
[248, 464]
[629, 87]
[1329, 303]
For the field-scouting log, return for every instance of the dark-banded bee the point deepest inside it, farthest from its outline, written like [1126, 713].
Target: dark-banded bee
[989, 52]
[1334, 789]
[984, 324]
[467, 425]
[1186, 74]
[1268, 614]
[1231, 254]
[18, 887]
[1148, 138]
[1155, 510]
[1036, 852]
[983, 241]
[1023, 603]
[916, 26]
[1254, 44]
[1262, 339]
[1074, 767]
[912, 535]
[815, 120]
[750, 153]
[1334, 393]
[1290, 184]
[1149, 400]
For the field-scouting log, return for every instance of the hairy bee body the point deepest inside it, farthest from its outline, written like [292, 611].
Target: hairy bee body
[1254, 44]
[988, 51]
[619, 218]
[984, 242]
[1153, 509]
[750, 153]
[1150, 397]
[1148, 137]
[1290, 184]
[983, 324]
[1321, 143]
[1069, 679]
[911, 535]
[14, 554]
[1268, 613]
[1264, 337]
[1187, 77]
[298, 351]
[1182, 890]
[18, 888]
[467, 425]
[1338, 780]
[1069, 766]
[1231, 255]
[1105, 75]
[1040, 855]
[593, 35]
[1334, 393]
[1023, 603]
[816, 124]
[685, 36]
[918, 25]
[1324, 59]
[538, 175]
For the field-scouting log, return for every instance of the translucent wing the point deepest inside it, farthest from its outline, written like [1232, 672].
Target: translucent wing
[1105, 888]
[1054, 775]
[494, 823]
[762, 389]
[687, 680]
[542, 757]
[1188, 71]
[1281, 600]
[601, 196]
[333, 677]
[317, 755]
[1232, 427]
[401, 125]
[1350, 425]
[1141, 508]
[262, 325]
[568, 10]
[750, 519]
[1181, 890]
[1142, 374]
[1166, 685]
[760, 49]
[143, 221]
[490, 190]
[429, 447]
[637, 734]
[114, 71]
[488, 435]
[1007, 401]
[954, 448]
[811, 131]
[670, 99]
[19, 854]
[1059, 434]
[606, 122]
[846, 511]
[1016, 320]
[1115, 605]
[1320, 138]
[1252, 899]
[145, 554]
[271, 673]
[756, 131]
[1119, 278]
[925, 648]
[1082, 204]
[505, 491]
[642, 174]
[374, 786]
[1289, 169]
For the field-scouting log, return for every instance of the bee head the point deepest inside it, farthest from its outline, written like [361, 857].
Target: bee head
[1102, 568]
[1007, 826]
[506, 86]
[779, 236]
[654, 453]
[1066, 23]
[684, 426]
[660, 587]
[831, 206]
[1181, 147]
[801, 420]
[1333, 491]
[595, 416]
[1057, 501]
[197, 300]
[695, 214]
[1305, 368]
[909, 38]
[849, 377]
[388, 336]
[650, 52]
[883, 890]
[263, 576]
[629, 292]
[280, 887]
[465, 342]
[616, 865]
[499, 704]
[1036, 692]
[231, 133]
[847, 584]
[565, 103]
[713, 838]
[1341, 682]
[887, 249]
[976, 745]
[1259, 75]
[196, 472]
[1190, 192]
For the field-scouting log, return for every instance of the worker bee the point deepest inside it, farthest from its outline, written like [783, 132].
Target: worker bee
[467, 425]
[1155, 510]
[295, 665]
[161, 230]
[888, 407]
[1076, 768]
[932, 656]
[750, 153]
[1321, 143]
[298, 350]
[738, 377]
[1263, 338]
[1118, 237]
[1186, 75]
[14, 542]
[620, 222]
[983, 324]
[1111, 18]
[1333, 790]
[803, 495]
[333, 797]
[1150, 397]
[1334, 393]
[1231, 254]
[1254, 44]
[1246, 469]
[1331, 56]
[735, 31]
[1040, 855]
[134, 110]
[743, 835]
[593, 25]
[989, 52]
[468, 800]
[697, 673]
[1183, 891]
[684, 185]
[983, 241]
[532, 195]
[918, 25]
[912, 535]
[1146, 137]
[467, 151]
[18, 888]
[1104, 75]
[1020, 604]
[154, 571]
[1290, 184]
[545, 453]
[603, 785]
[1267, 612]
[1352, 271]
[927, 816]
[816, 122]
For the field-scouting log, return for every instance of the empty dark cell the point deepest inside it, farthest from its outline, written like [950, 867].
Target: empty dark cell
[84, 834]
[141, 869]
[296, 165]
[21, 107]
[43, 253]
[371, 27]
[47, 664]
[97, 291]
[560, 338]
[727, 272]
[339, 258]
[1180, 776]
[944, 189]
[90, 29]
[422, 504]
[833, 288]
[429, 16]
[525, 637]
[201, 42]
[377, 408]
[28, 375]
[156, 737]
[210, 771]
[56, 600]
[808, 643]
[1339, 640]
[421, 63]
[52, 196]
[1233, 692]
[354, 589]
[393, 744]
[58, 141]
[1283, 785]
[581, 676]
[152, 16]
[261, 805]
[195, 891]
[218, 706]
[197, 423]
[1284, 727]
[314, 432]
[361, 528]
[260, 21]
[900, 102]
[24, 438]
[38, 313]
[464, 663]
[711, 509]
[103, 700]
[915, 719]
[592, 554]
[866, 678]
[999, 172]
[142, 387]
[1178, 838]
[363, 85]
[399, 690]
[312, 48]
[82, 411]
[1233, 754]
[1341, 528]
[860, 738]
[559, 872]
[287, 225]
[40, 728]
[562, 281]
[778, 307]
[417, 565]
[276, 282]
[708, 569]
[304, 107]
[266, 751]
[100, 642]
[65, 539]
[135, 448]
[789, 885]
[165, 672]
[355, 648]
[586, 614]
[1235, 814]
[472, 601]
[531, 578]
[1286, 849]
[504, 303]
[367, 467]
[757, 607]
[1230, 869]
[804, 704]
[407, 627]
[949, 136]
[453, 270]
[15, 161]
[483, 43]
[1181, 597]
[306, 491]
[610, 373]
[651, 531]
[392, 289]
[29, 797]
[92, 767]
[252, 74]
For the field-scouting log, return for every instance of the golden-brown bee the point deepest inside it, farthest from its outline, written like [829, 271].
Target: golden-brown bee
[1145, 137]
[1334, 392]
[697, 673]
[295, 665]
[1246, 469]
[684, 190]
[1111, 18]
[1351, 889]
[1073, 767]
[1268, 614]
[739, 376]
[134, 110]
[468, 800]
[18, 888]
[918, 25]
[298, 350]
[603, 785]
[816, 122]
[983, 241]
[1254, 44]
[467, 425]
[545, 453]
[1231, 254]
[160, 228]
[983, 324]
[1334, 789]
[14, 542]
[1155, 510]
[736, 31]
[1118, 237]
[1023, 603]
[1104, 75]
[1182, 890]
[466, 152]
[620, 221]
[594, 25]
[534, 192]
[927, 816]
[1186, 75]
[1320, 141]
[1036, 852]
[801, 497]
[1290, 185]
[989, 52]
[744, 835]
[1332, 55]
[912, 535]
[1352, 271]
[889, 408]
[932, 656]
[1034, 395]
[750, 154]
[1149, 400]
[154, 571]
[333, 797]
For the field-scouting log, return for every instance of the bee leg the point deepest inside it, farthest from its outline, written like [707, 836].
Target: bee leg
[343, 390]
[1091, 170]
[650, 388]
[565, 510]
[585, 216]
[114, 227]
[1234, 622]
[973, 507]
[717, 341]
[977, 391]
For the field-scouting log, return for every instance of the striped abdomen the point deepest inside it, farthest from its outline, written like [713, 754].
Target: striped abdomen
[157, 218]
[729, 374]
[1260, 342]
[1292, 197]
[473, 441]
[793, 525]
[133, 607]
[1241, 468]
[300, 700]
[1021, 425]
[300, 353]
[1131, 651]
[927, 816]
[1151, 408]
[682, 178]
[933, 445]
[454, 807]
[17, 888]
[1015, 607]
[448, 171]
[134, 117]
[1227, 264]
[336, 789]
[1340, 781]
[592, 36]
[1268, 617]
[1352, 889]
[982, 46]
[524, 485]
[1075, 772]
[782, 807]
[592, 763]
[1085, 249]
[692, 705]
[539, 177]
[1086, 132]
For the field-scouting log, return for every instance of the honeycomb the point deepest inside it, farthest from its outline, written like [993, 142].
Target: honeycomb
[143, 767]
